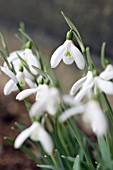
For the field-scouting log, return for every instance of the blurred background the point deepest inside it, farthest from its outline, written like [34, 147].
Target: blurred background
[45, 24]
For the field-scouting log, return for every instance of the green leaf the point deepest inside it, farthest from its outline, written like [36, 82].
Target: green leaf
[89, 60]
[50, 167]
[105, 153]
[41, 72]
[24, 64]
[5, 59]
[59, 161]
[76, 33]
[76, 165]
[4, 43]
[102, 55]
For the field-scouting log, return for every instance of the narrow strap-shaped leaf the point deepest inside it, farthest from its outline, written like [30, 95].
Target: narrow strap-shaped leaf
[76, 33]
[102, 55]
[50, 167]
[5, 59]
[76, 165]
[4, 44]
[105, 153]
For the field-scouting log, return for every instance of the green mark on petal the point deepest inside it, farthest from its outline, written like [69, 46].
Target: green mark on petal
[68, 54]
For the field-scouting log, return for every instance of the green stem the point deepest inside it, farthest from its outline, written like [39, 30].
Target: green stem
[54, 160]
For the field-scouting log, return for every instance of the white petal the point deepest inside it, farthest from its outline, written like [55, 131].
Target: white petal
[82, 93]
[53, 101]
[107, 74]
[30, 83]
[32, 60]
[45, 140]
[38, 108]
[71, 112]
[78, 57]
[10, 74]
[77, 85]
[57, 56]
[20, 78]
[24, 135]
[105, 86]
[69, 100]
[9, 87]
[89, 79]
[25, 93]
[97, 118]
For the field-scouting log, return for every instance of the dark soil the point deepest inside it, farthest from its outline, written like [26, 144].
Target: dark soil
[10, 112]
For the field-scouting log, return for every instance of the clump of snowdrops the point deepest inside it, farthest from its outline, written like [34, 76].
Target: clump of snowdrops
[54, 132]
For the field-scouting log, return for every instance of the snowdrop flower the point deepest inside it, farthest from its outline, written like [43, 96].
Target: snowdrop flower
[87, 83]
[30, 59]
[48, 99]
[92, 114]
[107, 74]
[26, 55]
[37, 133]
[69, 53]
[11, 85]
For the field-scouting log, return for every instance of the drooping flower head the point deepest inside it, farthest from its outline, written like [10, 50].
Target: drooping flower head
[37, 133]
[69, 53]
[47, 99]
[91, 84]
[92, 113]
[22, 74]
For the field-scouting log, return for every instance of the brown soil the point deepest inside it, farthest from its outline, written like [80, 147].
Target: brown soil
[10, 112]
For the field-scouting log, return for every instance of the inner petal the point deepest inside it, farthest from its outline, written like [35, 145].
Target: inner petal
[67, 58]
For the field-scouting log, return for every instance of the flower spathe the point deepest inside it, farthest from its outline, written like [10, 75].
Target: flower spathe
[37, 133]
[86, 85]
[69, 53]
[91, 112]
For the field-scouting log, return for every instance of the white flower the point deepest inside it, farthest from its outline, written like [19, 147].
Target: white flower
[87, 83]
[92, 113]
[37, 133]
[69, 53]
[23, 76]
[107, 74]
[48, 99]
[29, 58]
[11, 85]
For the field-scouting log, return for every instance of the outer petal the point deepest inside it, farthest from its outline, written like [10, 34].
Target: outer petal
[107, 74]
[69, 100]
[105, 86]
[89, 79]
[77, 85]
[30, 83]
[10, 74]
[45, 140]
[9, 87]
[71, 112]
[38, 108]
[32, 60]
[24, 135]
[25, 93]
[57, 56]
[78, 57]
[82, 93]
[97, 118]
